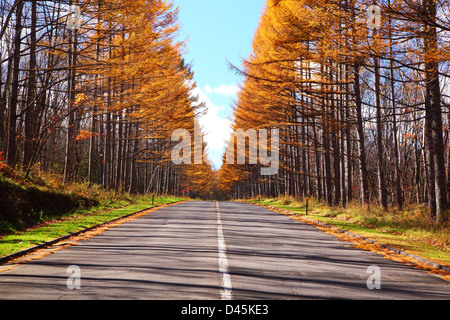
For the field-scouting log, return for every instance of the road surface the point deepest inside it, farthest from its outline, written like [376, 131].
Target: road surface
[214, 251]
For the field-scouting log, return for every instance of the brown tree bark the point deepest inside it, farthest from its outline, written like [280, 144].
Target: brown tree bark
[433, 107]
[12, 147]
[31, 96]
[364, 184]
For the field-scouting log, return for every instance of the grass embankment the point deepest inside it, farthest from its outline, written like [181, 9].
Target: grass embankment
[42, 208]
[409, 230]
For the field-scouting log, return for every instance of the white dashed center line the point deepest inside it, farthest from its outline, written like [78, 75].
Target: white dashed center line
[226, 292]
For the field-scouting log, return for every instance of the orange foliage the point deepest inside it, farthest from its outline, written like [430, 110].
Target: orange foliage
[84, 135]
[3, 165]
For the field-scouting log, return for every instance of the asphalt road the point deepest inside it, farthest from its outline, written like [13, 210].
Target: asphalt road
[209, 250]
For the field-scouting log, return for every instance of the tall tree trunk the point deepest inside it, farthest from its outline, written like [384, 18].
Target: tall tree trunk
[398, 180]
[12, 147]
[92, 145]
[70, 139]
[326, 147]
[361, 140]
[134, 163]
[108, 136]
[318, 160]
[3, 103]
[382, 192]
[97, 93]
[448, 153]
[433, 107]
[31, 97]
[429, 161]
[334, 119]
[348, 138]
[342, 132]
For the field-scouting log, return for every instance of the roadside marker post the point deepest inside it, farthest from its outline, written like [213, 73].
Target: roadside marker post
[307, 205]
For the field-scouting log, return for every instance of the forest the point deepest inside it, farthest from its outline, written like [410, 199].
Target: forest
[92, 90]
[360, 93]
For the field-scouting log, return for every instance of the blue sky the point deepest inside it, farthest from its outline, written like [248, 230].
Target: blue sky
[216, 31]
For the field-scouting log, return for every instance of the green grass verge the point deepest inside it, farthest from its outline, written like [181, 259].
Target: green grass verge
[65, 224]
[41, 207]
[409, 230]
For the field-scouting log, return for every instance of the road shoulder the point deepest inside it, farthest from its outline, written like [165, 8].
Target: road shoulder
[369, 244]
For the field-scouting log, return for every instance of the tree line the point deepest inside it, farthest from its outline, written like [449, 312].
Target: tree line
[93, 89]
[361, 101]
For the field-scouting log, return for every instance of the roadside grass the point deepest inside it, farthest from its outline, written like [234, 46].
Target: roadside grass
[59, 226]
[410, 230]
[41, 207]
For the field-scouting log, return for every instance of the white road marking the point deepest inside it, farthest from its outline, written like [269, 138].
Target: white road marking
[226, 292]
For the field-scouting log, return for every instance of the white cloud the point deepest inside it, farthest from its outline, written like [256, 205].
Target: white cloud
[227, 90]
[223, 90]
[208, 89]
[216, 127]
